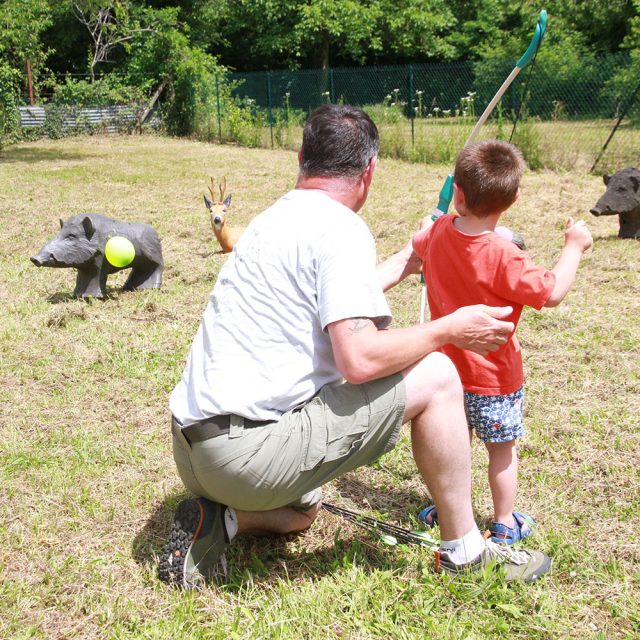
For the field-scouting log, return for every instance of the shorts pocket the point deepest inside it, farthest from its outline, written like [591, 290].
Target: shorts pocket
[314, 435]
[334, 424]
[348, 411]
[345, 434]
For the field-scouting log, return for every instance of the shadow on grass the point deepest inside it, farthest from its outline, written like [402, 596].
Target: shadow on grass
[112, 293]
[266, 559]
[397, 503]
[613, 238]
[398, 506]
[60, 297]
[31, 155]
[152, 537]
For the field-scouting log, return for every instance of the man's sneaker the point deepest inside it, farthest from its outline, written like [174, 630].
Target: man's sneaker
[520, 564]
[196, 545]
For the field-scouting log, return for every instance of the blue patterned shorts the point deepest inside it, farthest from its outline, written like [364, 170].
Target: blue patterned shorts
[496, 418]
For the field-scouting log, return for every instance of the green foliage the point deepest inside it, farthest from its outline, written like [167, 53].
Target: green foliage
[186, 46]
[528, 139]
[349, 26]
[625, 81]
[9, 94]
[417, 28]
[562, 73]
[391, 111]
[194, 80]
[192, 91]
[257, 34]
[23, 22]
[111, 24]
[287, 122]
[54, 125]
[601, 26]
[478, 22]
[108, 90]
[243, 124]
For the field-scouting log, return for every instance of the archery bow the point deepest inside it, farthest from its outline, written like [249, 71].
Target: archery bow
[446, 193]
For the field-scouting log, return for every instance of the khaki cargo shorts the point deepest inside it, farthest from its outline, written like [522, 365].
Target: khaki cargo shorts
[285, 463]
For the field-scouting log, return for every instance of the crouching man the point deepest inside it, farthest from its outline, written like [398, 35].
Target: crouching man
[294, 377]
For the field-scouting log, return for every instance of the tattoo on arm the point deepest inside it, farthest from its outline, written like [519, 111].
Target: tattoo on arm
[358, 324]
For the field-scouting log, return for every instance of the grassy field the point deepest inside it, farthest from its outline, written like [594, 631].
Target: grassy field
[87, 479]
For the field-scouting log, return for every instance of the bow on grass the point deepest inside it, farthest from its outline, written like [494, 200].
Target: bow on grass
[446, 193]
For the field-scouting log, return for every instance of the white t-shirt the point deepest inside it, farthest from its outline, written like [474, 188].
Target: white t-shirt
[261, 348]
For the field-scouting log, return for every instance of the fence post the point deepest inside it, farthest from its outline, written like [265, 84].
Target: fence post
[332, 93]
[30, 83]
[270, 105]
[411, 110]
[218, 105]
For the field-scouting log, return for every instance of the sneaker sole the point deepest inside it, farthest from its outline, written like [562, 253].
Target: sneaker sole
[544, 565]
[184, 532]
[510, 572]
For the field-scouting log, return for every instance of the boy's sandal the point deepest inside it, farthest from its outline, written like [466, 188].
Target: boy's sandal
[523, 527]
[429, 516]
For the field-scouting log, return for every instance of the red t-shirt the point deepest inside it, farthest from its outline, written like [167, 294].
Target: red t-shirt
[461, 270]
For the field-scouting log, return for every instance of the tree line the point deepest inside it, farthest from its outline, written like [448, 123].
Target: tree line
[119, 50]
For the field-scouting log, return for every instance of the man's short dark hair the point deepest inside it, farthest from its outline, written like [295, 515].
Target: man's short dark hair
[338, 141]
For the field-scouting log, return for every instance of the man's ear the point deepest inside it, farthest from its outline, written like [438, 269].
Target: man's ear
[367, 175]
[299, 157]
[516, 198]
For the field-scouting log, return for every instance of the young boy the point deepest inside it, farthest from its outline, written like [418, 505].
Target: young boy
[464, 262]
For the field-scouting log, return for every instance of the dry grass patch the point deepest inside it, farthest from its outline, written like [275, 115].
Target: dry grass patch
[87, 479]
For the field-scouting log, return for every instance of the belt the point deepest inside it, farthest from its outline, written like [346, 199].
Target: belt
[214, 427]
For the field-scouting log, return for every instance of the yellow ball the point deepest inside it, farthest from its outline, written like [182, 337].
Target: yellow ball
[119, 251]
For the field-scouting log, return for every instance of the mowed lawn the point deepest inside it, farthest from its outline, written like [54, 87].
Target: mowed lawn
[87, 481]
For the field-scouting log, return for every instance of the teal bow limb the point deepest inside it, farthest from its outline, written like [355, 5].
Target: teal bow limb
[445, 197]
[536, 41]
[446, 193]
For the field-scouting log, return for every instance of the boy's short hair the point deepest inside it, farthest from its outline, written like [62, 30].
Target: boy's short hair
[489, 174]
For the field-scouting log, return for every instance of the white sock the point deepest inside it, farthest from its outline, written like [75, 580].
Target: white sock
[231, 522]
[464, 549]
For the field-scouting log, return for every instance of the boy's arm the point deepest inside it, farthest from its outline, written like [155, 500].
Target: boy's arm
[577, 239]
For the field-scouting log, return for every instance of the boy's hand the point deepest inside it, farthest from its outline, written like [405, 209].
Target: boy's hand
[577, 234]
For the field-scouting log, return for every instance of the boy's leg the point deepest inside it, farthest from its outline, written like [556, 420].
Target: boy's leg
[498, 421]
[503, 479]
[442, 452]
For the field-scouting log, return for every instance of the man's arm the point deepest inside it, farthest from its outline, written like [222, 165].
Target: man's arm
[405, 262]
[363, 353]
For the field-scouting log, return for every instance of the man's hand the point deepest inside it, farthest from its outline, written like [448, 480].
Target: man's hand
[414, 264]
[404, 263]
[478, 328]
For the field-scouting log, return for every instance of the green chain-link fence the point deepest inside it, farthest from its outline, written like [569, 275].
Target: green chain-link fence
[426, 111]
